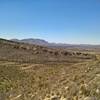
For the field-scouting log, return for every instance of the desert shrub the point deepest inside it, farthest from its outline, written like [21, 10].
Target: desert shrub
[56, 53]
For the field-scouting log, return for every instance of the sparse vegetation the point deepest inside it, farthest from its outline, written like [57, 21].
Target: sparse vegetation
[30, 72]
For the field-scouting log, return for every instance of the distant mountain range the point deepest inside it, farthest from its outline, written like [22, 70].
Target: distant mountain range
[39, 42]
[42, 42]
[29, 53]
[32, 41]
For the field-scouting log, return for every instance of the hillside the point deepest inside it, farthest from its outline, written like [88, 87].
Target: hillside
[15, 51]
[42, 42]
[32, 72]
[33, 41]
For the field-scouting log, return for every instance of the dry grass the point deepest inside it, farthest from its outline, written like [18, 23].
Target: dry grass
[42, 81]
[47, 74]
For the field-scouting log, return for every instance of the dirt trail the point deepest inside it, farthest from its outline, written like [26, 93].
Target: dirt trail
[30, 66]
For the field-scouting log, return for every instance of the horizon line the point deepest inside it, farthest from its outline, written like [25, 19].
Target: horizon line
[96, 44]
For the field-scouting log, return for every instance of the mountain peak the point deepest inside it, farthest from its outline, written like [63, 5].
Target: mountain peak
[32, 41]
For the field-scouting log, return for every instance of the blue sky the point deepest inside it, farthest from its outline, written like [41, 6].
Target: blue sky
[66, 21]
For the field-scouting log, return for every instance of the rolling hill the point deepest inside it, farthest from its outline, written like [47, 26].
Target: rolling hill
[42, 42]
[33, 72]
[17, 51]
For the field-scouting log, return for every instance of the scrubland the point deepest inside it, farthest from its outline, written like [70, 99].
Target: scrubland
[29, 72]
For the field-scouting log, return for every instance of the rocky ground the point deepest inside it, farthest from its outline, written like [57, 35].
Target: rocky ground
[30, 72]
[78, 81]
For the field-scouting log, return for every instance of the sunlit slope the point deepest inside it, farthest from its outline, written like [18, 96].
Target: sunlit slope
[20, 52]
[35, 81]
[31, 72]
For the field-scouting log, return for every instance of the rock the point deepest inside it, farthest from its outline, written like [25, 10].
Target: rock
[75, 98]
[97, 91]
[34, 49]
[98, 75]
[47, 99]
[62, 98]
[55, 98]
[67, 88]
[86, 71]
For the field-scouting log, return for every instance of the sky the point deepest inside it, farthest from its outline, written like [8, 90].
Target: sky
[60, 21]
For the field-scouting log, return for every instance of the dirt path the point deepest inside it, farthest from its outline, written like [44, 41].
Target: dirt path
[30, 66]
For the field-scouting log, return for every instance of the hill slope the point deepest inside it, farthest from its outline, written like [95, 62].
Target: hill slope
[31, 72]
[33, 41]
[15, 51]
[42, 42]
